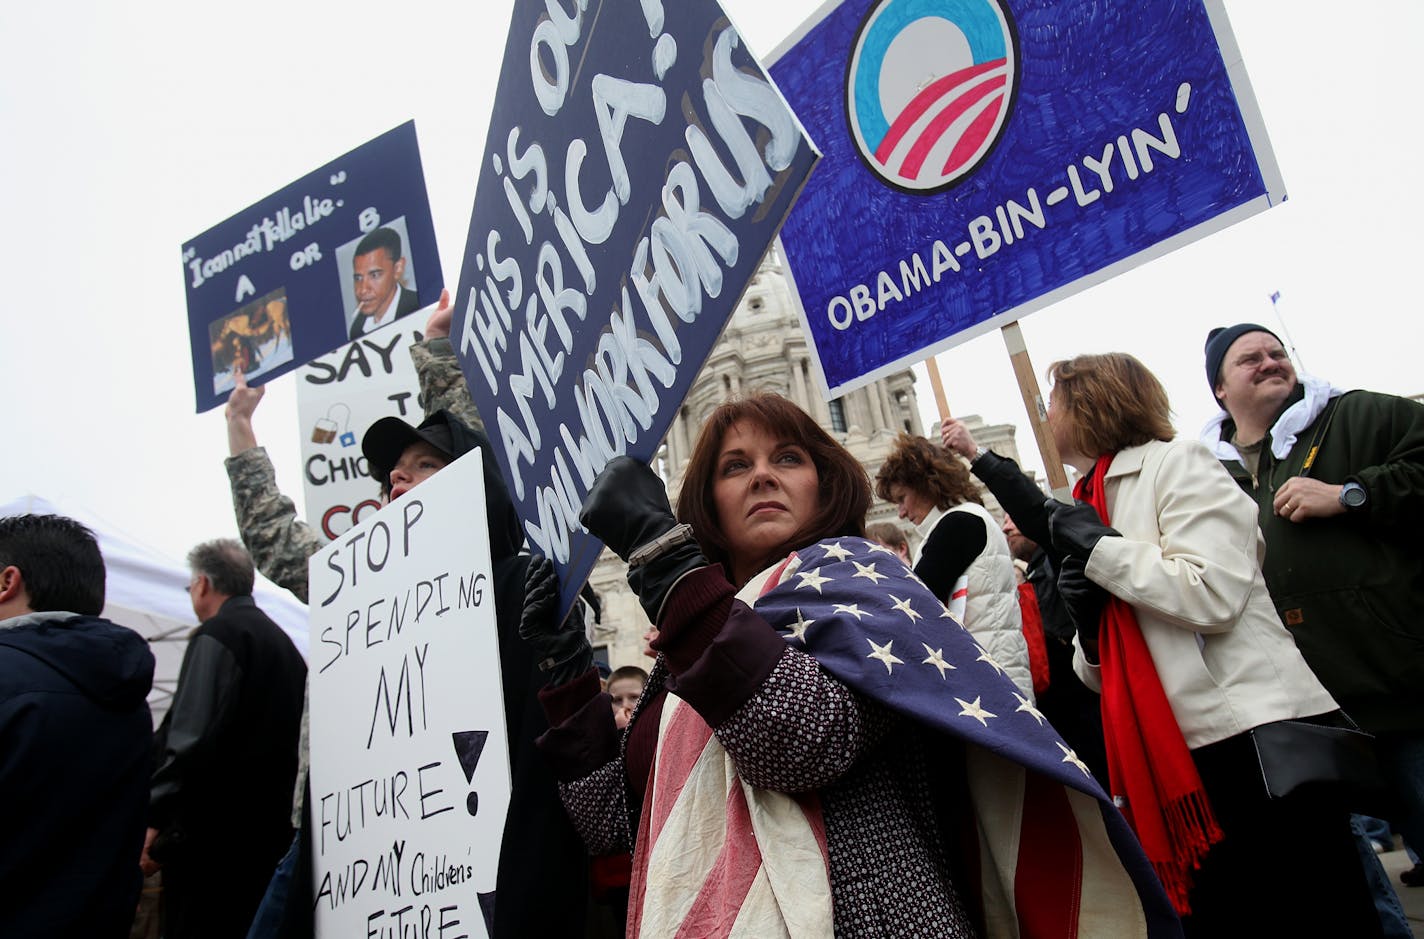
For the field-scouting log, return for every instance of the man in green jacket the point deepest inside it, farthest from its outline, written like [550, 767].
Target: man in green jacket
[1339, 478]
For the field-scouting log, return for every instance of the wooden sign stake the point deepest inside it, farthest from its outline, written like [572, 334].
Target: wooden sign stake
[937, 385]
[1037, 411]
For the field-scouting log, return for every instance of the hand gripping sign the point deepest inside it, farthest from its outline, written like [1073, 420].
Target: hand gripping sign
[984, 158]
[639, 163]
[410, 761]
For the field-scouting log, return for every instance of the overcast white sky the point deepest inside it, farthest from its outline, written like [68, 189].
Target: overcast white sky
[130, 128]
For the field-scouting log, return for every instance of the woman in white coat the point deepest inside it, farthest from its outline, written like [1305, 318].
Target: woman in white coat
[1178, 633]
[963, 555]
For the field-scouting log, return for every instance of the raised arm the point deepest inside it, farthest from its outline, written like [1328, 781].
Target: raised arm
[1016, 493]
[582, 747]
[241, 405]
[442, 384]
[279, 542]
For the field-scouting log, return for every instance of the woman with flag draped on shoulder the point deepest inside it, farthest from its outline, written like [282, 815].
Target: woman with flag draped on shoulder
[1176, 630]
[820, 749]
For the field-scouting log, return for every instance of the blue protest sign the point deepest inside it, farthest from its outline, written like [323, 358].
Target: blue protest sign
[638, 165]
[984, 158]
[344, 250]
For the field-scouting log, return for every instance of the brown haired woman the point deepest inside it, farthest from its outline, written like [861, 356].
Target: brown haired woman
[1178, 633]
[963, 557]
[818, 749]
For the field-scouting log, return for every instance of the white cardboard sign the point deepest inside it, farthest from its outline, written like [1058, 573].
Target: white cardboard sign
[339, 395]
[410, 760]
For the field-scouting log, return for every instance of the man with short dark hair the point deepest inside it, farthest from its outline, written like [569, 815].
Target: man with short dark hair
[1339, 479]
[75, 738]
[376, 273]
[221, 797]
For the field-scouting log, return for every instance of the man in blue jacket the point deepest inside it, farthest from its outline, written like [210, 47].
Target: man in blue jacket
[75, 738]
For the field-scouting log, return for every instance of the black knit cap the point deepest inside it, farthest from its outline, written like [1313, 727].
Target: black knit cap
[388, 438]
[1219, 340]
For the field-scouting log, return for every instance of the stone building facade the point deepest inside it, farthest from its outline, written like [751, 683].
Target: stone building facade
[764, 349]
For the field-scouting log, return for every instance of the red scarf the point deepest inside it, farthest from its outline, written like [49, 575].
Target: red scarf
[1153, 777]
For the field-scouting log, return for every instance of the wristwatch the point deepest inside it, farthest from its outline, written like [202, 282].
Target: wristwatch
[1353, 496]
[979, 451]
[674, 537]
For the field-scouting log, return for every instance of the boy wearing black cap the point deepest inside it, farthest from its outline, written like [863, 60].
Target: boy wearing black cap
[542, 877]
[400, 457]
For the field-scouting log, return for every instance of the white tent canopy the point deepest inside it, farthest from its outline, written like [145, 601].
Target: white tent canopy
[148, 593]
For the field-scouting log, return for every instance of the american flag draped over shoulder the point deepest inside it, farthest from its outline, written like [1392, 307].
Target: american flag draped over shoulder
[1042, 817]
[716, 856]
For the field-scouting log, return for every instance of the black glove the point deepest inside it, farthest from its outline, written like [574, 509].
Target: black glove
[1084, 602]
[1076, 529]
[561, 649]
[1083, 599]
[627, 508]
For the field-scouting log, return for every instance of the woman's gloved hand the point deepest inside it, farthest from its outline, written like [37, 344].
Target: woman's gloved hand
[1084, 601]
[627, 509]
[561, 649]
[1076, 529]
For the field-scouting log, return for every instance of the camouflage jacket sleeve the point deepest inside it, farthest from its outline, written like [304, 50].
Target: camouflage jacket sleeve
[442, 384]
[279, 542]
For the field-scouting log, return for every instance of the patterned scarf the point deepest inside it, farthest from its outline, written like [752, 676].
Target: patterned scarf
[1153, 778]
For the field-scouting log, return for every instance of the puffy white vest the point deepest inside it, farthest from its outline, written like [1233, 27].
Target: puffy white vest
[986, 598]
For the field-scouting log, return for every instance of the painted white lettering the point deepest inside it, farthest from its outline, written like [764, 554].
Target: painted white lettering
[986, 240]
[614, 101]
[885, 290]
[942, 259]
[1103, 167]
[555, 297]
[1083, 197]
[1033, 213]
[864, 306]
[913, 276]
[1144, 142]
[752, 96]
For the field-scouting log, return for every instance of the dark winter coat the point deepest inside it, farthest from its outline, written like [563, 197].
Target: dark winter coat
[75, 738]
[541, 885]
[1351, 588]
[221, 797]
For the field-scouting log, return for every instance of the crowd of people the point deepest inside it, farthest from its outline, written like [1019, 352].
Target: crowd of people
[1069, 721]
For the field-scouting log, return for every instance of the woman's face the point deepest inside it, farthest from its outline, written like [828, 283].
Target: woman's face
[765, 490]
[417, 463]
[913, 504]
